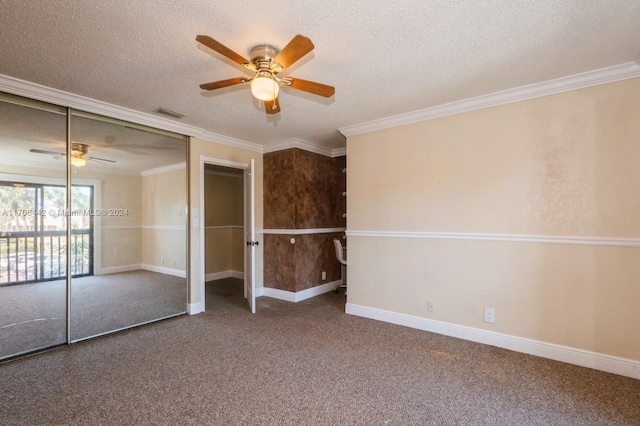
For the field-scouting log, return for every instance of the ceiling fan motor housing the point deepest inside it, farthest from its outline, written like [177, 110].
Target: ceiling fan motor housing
[262, 58]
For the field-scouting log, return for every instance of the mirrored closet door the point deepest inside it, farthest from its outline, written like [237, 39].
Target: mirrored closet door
[93, 225]
[128, 225]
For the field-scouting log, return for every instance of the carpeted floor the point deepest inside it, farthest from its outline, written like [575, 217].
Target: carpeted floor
[33, 316]
[306, 363]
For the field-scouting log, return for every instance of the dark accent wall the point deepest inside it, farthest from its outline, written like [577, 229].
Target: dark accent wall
[302, 190]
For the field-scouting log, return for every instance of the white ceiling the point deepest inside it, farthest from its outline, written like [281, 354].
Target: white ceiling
[384, 58]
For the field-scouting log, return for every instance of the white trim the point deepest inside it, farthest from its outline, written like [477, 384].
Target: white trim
[118, 269]
[66, 99]
[611, 364]
[307, 146]
[224, 274]
[339, 152]
[195, 308]
[162, 270]
[229, 141]
[564, 84]
[301, 231]
[546, 239]
[297, 143]
[164, 169]
[58, 97]
[299, 296]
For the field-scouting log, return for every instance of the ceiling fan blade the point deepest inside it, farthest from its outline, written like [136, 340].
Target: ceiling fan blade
[310, 86]
[296, 49]
[99, 159]
[272, 107]
[223, 83]
[222, 49]
[42, 151]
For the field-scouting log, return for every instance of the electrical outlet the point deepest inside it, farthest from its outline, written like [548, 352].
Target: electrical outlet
[431, 306]
[489, 315]
[324, 275]
[162, 260]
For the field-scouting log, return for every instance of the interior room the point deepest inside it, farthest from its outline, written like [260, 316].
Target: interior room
[175, 178]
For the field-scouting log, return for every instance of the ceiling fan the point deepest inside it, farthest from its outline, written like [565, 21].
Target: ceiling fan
[267, 62]
[79, 155]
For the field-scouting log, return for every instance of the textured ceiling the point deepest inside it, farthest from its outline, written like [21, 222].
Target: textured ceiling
[384, 58]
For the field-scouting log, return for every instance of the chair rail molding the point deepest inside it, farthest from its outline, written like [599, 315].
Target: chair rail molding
[547, 239]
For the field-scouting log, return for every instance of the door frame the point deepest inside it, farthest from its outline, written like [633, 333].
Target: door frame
[199, 218]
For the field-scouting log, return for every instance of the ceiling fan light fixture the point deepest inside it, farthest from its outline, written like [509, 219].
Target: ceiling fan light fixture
[265, 88]
[78, 161]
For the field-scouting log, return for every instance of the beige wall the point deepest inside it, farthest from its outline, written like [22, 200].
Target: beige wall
[164, 236]
[121, 236]
[224, 220]
[224, 202]
[208, 149]
[561, 165]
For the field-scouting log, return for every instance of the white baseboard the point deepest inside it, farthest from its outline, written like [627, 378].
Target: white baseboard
[299, 296]
[162, 270]
[117, 269]
[608, 363]
[195, 308]
[224, 274]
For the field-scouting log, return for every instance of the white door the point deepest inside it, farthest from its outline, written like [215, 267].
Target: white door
[251, 243]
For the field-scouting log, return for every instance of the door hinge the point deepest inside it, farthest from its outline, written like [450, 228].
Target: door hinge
[253, 243]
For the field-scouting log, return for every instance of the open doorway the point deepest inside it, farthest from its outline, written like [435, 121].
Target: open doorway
[227, 218]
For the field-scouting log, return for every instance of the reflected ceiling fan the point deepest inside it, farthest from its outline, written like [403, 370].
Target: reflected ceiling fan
[79, 155]
[267, 62]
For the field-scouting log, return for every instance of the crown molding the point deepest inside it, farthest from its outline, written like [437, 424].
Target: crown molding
[297, 143]
[307, 146]
[339, 152]
[564, 84]
[39, 92]
[42, 93]
[229, 141]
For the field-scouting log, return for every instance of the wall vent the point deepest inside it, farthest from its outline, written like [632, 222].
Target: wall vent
[168, 113]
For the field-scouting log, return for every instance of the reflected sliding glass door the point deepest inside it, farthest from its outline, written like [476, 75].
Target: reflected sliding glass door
[93, 226]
